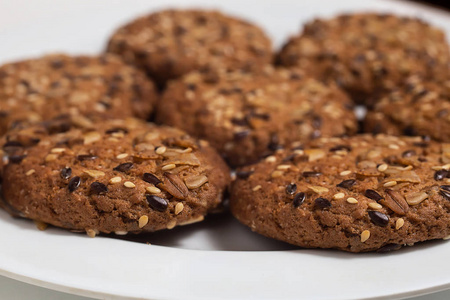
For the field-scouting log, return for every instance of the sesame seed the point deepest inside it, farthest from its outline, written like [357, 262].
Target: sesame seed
[94, 173]
[58, 150]
[394, 146]
[276, 174]
[399, 223]
[283, 167]
[143, 221]
[187, 150]
[256, 188]
[318, 189]
[30, 172]
[160, 150]
[339, 196]
[365, 235]
[168, 167]
[115, 180]
[171, 224]
[121, 232]
[129, 184]
[390, 183]
[352, 200]
[191, 221]
[299, 152]
[345, 173]
[374, 205]
[40, 225]
[153, 190]
[51, 157]
[446, 238]
[382, 167]
[179, 208]
[271, 159]
[122, 155]
[91, 233]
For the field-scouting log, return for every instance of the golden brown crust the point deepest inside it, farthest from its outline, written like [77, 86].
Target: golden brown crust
[170, 43]
[368, 53]
[247, 116]
[361, 193]
[95, 87]
[118, 176]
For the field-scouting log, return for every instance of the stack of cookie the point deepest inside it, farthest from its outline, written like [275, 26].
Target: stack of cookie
[79, 153]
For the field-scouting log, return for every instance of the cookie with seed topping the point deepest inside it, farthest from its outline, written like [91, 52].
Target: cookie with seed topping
[170, 43]
[421, 107]
[118, 176]
[357, 194]
[247, 116]
[84, 87]
[368, 53]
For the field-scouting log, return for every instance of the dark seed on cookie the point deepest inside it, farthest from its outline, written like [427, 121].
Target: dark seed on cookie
[117, 129]
[299, 199]
[322, 203]
[86, 157]
[341, 147]
[371, 194]
[291, 188]
[98, 188]
[311, 174]
[66, 173]
[445, 191]
[378, 218]
[389, 248]
[125, 167]
[74, 183]
[441, 174]
[157, 203]
[12, 144]
[346, 184]
[150, 178]
[16, 159]
[241, 135]
[243, 174]
[409, 153]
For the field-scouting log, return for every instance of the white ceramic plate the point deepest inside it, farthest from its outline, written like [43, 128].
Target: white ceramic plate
[219, 259]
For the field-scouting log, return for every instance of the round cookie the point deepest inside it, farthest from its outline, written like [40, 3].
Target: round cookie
[83, 87]
[248, 116]
[361, 193]
[119, 176]
[421, 107]
[170, 43]
[368, 53]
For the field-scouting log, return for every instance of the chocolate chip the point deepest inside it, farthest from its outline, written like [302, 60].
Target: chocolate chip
[16, 159]
[125, 167]
[441, 174]
[371, 194]
[291, 188]
[410, 131]
[66, 173]
[243, 174]
[299, 199]
[150, 178]
[157, 203]
[322, 203]
[378, 218]
[346, 184]
[311, 174]
[389, 248]
[409, 153]
[98, 188]
[241, 135]
[74, 183]
[86, 157]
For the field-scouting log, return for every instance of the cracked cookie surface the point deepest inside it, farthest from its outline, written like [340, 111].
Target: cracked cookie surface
[355, 194]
